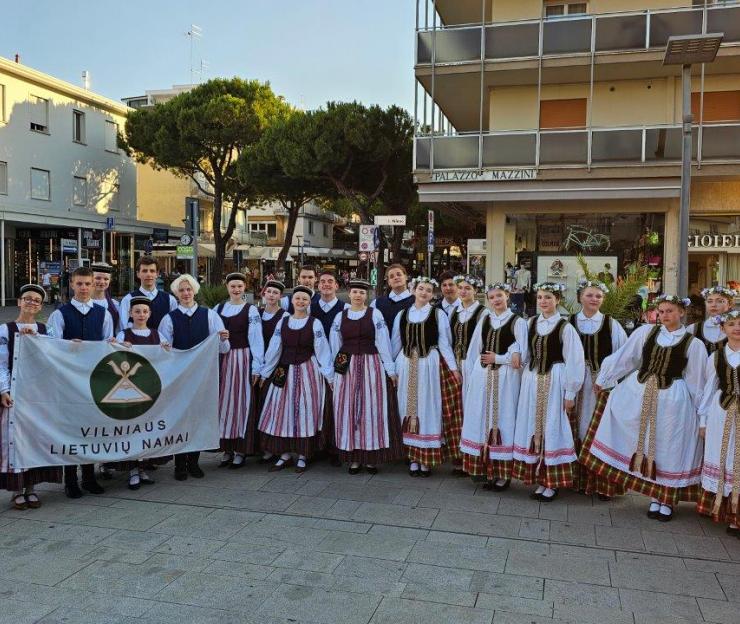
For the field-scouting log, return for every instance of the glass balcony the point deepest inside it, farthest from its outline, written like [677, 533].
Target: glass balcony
[612, 32]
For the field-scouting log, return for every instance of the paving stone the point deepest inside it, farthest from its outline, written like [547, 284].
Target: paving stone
[581, 594]
[182, 563]
[378, 586]
[682, 582]
[398, 532]
[313, 604]
[477, 523]
[65, 615]
[401, 611]
[518, 545]
[659, 604]
[519, 506]
[222, 524]
[258, 554]
[343, 525]
[701, 547]
[44, 570]
[452, 555]
[436, 594]
[462, 539]
[366, 546]
[138, 540]
[719, 611]
[559, 568]
[576, 614]
[244, 570]
[506, 617]
[301, 577]
[311, 506]
[178, 545]
[514, 604]
[656, 563]
[409, 496]
[453, 502]
[570, 533]
[308, 560]
[535, 529]
[141, 581]
[619, 537]
[659, 542]
[437, 576]
[303, 536]
[21, 612]
[702, 565]
[589, 514]
[730, 585]
[361, 493]
[507, 585]
[366, 568]
[169, 613]
[217, 591]
[395, 515]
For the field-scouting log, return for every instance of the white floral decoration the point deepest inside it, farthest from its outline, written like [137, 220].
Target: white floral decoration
[685, 301]
[498, 286]
[421, 279]
[719, 290]
[470, 279]
[552, 287]
[729, 316]
[583, 284]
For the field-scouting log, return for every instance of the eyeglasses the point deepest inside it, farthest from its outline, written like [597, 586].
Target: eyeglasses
[31, 301]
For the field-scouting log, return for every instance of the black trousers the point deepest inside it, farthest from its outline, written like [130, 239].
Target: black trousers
[182, 460]
[88, 473]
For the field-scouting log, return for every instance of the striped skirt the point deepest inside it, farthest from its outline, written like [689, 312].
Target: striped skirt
[236, 403]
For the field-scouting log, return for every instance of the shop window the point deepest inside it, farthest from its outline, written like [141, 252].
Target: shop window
[3, 178]
[569, 113]
[719, 106]
[270, 229]
[111, 136]
[39, 114]
[78, 126]
[326, 229]
[79, 197]
[310, 227]
[40, 184]
[555, 9]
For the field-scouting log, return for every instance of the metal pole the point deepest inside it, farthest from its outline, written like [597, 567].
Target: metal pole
[196, 232]
[683, 216]
[104, 246]
[2, 262]
[79, 247]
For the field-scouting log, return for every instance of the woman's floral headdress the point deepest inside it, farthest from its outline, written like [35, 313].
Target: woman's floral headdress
[469, 279]
[498, 286]
[584, 284]
[719, 290]
[421, 279]
[684, 302]
[552, 287]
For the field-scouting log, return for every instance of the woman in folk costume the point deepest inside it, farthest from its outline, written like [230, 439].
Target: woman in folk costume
[140, 309]
[718, 301]
[367, 432]
[600, 336]
[421, 339]
[492, 377]
[297, 358]
[648, 437]
[719, 425]
[463, 318]
[240, 371]
[21, 484]
[544, 451]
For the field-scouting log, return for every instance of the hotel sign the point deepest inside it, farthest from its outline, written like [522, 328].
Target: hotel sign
[488, 175]
[714, 241]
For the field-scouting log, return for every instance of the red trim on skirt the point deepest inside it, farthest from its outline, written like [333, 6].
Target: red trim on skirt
[705, 506]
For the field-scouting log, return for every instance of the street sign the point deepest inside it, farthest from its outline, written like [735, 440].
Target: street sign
[110, 223]
[69, 245]
[368, 237]
[186, 240]
[390, 220]
[160, 235]
[430, 236]
[148, 247]
[185, 252]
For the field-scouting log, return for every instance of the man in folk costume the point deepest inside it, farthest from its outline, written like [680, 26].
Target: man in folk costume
[139, 333]
[81, 320]
[648, 437]
[450, 300]
[163, 303]
[306, 278]
[463, 320]
[240, 371]
[492, 376]
[718, 301]
[297, 361]
[184, 328]
[399, 297]
[101, 291]
[544, 451]
[719, 425]
[367, 431]
[600, 335]
[20, 483]
[421, 338]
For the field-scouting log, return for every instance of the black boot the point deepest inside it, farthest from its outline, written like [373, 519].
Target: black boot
[181, 467]
[89, 484]
[193, 467]
[71, 487]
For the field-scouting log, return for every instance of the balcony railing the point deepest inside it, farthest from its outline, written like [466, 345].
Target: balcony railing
[575, 148]
[581, 34]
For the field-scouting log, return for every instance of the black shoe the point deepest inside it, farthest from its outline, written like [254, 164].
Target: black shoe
[734, 531]
[354, 470]
[145, 480]
[233, 466]
[653, 515]
[535, 496]
[425, 473]
[666, 517]
[181, 474]
[72, 490]
[266, 460]
[457, 472]
[603, 497]
[414, 473]
[500, 488]
[195, 471]
[224, 463]
[93, 487]
[335, 461]
[548, 499]
[135, 485]
[373, 470]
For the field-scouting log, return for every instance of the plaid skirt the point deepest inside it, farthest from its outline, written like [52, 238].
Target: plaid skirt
[586, 480]
[428, 456]
[452, 414]
[558, 476]
[705, 506]
[17, 481]
[493, 470]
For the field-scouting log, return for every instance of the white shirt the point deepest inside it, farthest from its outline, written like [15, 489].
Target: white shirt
[522, 279]
[321, 348]
[712, 331]
[121, 336]
[465, 314]
[328, 305]
[575, 363]
[215, 325]
[125, 305]
[382, 337]
[56, 320]
[712, 383]
[449, 308]
[593, 324]
[419, 315]
[254, 333]
[520, 344]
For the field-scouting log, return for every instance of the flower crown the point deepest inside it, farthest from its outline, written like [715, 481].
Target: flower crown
[685, 302]
[584, 284]
[498, 286]
[424, 280]
[552, 287]
[469, 279]
[719, 290]
[729, 316]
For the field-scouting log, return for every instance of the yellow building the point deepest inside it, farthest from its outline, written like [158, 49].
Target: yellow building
[558, 124]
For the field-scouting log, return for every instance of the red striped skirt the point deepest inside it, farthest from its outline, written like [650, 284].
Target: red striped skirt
[237, 413]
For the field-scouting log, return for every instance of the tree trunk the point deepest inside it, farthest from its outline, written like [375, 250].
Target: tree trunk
[218, 242]
[294, 209]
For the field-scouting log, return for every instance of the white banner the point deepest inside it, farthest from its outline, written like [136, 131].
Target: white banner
[87, 402]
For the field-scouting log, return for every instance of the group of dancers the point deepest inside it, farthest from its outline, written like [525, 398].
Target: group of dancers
[554, 401]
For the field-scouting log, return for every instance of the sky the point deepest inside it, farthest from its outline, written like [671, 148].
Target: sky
[311, 51]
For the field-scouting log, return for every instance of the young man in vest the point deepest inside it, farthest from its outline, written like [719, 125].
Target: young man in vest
[162, 303]
[450, 301]
[326, 306]
[307, 278]
[79, 320]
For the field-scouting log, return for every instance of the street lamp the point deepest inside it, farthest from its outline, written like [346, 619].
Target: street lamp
[688, 50]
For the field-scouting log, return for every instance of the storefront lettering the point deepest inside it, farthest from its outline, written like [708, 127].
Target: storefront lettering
[490, 175]
[723, 241]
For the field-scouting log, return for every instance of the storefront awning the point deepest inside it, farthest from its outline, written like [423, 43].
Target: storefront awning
[255, 252]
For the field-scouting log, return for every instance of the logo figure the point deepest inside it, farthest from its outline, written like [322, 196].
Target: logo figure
[115, 391]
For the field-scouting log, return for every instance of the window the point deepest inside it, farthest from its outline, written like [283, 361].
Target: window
[78, 126]
[79, 197]
[2, 102]
[563, 113]
[560, 9]
[3, 178]
[719, 106]
[326, 229]
[111, 136]
[264, 227]
[40, 188]
[39, 114]
[310, 227]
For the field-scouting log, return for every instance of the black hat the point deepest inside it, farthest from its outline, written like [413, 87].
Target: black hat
[236, 276]
[33, 288]
[101, 267]
[275, 284]
[302, 289]
[359, 283]
[139, 300]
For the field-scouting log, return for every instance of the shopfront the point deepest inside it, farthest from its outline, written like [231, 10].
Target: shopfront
[714, 251]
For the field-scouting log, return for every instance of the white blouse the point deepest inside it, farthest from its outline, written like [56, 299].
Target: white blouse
[590, 325]
[712, 383]
[521, 342]
[712, 331]
[5, 354]
[321, 348]
[419, 315]
[254, 332]
[121, 337]
[575, 363]
[382, 336]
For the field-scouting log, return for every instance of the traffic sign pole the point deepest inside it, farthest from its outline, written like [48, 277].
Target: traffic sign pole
[430, 241]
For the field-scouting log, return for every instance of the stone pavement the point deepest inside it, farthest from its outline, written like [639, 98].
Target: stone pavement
[250, 546]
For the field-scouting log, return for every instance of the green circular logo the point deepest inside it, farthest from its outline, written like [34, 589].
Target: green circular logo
[124, 385]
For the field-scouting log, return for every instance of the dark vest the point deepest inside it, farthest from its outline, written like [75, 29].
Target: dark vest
[666, 363]
[113, 311]
[268, 327]
[135, 339]
[358, 337]
[160, 308]
[83, 326]
[497, 340]
[326, 318]
[297, 343]
[462, 333]
[189, 331]
[12, 331]
[545, 351]
[422, 336]
[596, 346]
[729, 384]
[390, 309]
[711, 346]
[238, 326]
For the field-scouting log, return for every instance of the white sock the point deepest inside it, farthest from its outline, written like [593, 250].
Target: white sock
[238, 459]
[414, 466]
[665, 510]
[424, 467]
[548, 492]
[369, 465]
[540, 489]
[654, 505]
[226, 457]
[354, 465]
[133, 473]
[500, 482]
[301, 463]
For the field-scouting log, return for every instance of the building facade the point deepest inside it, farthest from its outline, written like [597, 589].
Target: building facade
[558, 124]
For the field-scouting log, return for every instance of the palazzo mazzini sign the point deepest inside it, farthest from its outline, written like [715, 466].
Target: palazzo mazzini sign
[488, 175]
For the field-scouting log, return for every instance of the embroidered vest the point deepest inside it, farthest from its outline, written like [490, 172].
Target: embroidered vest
[727, 376]
[422, 336]
[462, 333]
[666, 363]
[297, 343]
[497, 340]
[545, 351]
[113, 311]
[596, 346]
[238, 326]
[358, 336]
[711, 346]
